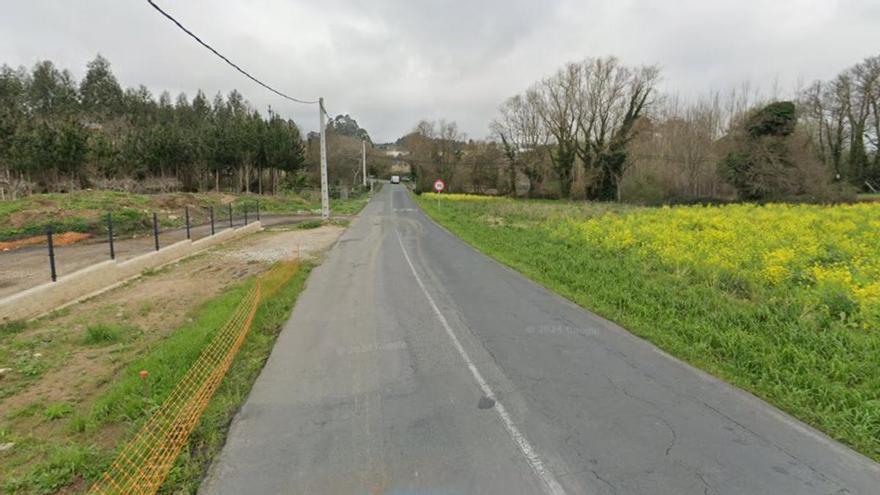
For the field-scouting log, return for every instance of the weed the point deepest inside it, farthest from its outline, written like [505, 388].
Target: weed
[145, 309]
[30, 366]
[78, 424]
[58, 410]
[309, 224]
[103, 334]
[12, 327]
[26, 411]
[64, 464]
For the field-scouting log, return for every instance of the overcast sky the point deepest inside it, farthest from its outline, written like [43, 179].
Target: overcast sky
[390, 63]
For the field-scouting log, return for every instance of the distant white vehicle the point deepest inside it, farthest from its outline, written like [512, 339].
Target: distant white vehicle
[395, 179]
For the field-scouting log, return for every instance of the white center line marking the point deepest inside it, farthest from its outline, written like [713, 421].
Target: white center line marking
[552, 487]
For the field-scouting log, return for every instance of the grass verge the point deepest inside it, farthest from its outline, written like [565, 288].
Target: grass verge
[210, 435]
[87, 438]
[827, 375]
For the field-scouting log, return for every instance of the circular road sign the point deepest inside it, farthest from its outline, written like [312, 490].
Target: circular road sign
[439, 185]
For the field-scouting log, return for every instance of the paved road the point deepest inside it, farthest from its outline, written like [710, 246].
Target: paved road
[28, 267]
[382, 382]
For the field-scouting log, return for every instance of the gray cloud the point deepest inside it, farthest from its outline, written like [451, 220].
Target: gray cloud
[392, 62]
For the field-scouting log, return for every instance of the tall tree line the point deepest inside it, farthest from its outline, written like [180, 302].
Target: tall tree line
[843, 117]
[58, 134]
[599, 129]
[587, 113]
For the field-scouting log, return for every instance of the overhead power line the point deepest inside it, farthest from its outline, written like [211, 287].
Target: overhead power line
[324, 109]
[233, 64]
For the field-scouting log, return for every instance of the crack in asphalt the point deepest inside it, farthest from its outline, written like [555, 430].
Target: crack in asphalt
[671, 431]
[608, 483]
[707, 487]
[768, 443]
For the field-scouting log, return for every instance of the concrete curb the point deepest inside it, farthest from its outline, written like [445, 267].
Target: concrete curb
[103, 276]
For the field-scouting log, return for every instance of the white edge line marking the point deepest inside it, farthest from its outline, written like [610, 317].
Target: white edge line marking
[552, 487]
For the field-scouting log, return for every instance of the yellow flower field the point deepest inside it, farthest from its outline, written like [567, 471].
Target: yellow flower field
[782, 300]
[830, 255]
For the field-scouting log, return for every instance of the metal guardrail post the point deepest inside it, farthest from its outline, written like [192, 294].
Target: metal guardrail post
[186, 214]
[156, 230]
[258, 210]
[110, 235]
[230, 215]
[212, 220]
[51, 254]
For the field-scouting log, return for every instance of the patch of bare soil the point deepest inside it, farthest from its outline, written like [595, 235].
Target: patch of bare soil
[63, 239]
[145, 310]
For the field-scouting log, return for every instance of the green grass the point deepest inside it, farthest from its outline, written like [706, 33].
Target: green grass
[58, 410]
[104, 334]
[64, 463]
[83, 211]
[309, 224]
[130, 399]
[128, 402]
[210, 435]
[86, 211]
[826, 375]
[26, 411]
[12, 327]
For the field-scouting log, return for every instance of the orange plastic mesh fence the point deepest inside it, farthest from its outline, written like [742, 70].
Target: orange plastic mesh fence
[143, 464]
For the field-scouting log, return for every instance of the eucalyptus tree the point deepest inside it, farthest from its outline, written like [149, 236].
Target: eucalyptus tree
[100, 92]
[57, 133]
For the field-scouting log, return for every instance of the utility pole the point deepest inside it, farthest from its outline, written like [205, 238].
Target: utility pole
[325, 197]
[364, 159]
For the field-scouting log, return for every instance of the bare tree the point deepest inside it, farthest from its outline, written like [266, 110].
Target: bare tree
[435, 151]
[449, 145]
[825, 111]
[675, 157]
[610, 99]
[556, 100]
[871, 91]
[866, 77]
[842, 117]
[523, 139]
[505, 128]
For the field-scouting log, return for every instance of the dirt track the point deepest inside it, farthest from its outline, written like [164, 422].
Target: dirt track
[29, 266]
[153, 305]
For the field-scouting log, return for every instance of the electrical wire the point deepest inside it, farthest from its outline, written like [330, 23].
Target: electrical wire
[233, 64]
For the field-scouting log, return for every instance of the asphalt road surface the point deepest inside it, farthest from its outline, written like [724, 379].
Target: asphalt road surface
[414, 365]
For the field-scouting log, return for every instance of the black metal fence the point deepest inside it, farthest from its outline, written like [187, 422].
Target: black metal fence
[197, 222]
[127, 232]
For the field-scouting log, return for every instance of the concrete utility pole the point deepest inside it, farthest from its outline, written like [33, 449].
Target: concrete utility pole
[364, 159]
[325, 196]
